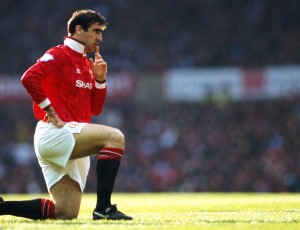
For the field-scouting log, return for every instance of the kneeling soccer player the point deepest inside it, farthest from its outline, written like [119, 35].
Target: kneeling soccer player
[67, 89]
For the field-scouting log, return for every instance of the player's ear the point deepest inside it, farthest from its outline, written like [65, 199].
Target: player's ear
[79, 29]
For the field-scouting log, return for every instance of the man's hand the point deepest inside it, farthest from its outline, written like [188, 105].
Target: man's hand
[99, 66]
[53, 117]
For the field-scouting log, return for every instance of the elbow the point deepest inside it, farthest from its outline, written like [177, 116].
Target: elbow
[25, 80]
[97, 112]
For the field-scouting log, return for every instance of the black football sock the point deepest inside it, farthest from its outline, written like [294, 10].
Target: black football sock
[32, 209]
[106, 175]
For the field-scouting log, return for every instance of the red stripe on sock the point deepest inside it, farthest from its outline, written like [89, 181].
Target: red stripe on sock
[47, 209]
[111, 154]
[106, 157]
[43, 205]
[51, 208]
[116, 150]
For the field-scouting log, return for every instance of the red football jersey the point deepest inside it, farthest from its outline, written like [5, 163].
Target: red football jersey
[62, 78]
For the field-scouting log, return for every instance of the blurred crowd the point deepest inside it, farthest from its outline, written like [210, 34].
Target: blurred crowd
[239, 146]
[154, 35]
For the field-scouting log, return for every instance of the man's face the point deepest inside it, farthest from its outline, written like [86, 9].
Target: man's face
[92, 37]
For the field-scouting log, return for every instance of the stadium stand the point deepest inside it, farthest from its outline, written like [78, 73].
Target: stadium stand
[249, 146]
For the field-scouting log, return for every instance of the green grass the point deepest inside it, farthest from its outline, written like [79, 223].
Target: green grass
[176, 211]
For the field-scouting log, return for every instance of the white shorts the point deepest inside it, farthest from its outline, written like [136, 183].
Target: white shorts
[53, 147]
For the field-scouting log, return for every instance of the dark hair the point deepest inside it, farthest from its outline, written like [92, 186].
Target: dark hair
[85, 18]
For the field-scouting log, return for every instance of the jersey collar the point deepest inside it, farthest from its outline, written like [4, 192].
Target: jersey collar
[74, 45]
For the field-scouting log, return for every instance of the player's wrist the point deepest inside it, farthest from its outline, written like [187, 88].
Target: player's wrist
[100, 84]
[50, 111]
[101, 81]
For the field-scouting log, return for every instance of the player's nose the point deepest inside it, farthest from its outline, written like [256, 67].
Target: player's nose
[99, 38]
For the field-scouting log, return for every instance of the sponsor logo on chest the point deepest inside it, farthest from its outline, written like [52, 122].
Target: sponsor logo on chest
[85, 85]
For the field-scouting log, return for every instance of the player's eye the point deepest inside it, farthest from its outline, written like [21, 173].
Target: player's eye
[98, 31]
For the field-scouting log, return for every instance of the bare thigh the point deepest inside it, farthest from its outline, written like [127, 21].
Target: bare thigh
[93, 137]
[66, 195]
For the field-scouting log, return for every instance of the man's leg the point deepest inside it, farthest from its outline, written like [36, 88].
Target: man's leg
[66, 195]
[109, 144]
[94, 137]
[37, 209]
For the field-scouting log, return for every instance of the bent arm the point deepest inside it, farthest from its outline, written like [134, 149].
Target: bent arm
[98, 98]
[32, 80]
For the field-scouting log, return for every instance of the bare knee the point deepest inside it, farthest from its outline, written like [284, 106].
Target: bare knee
[117, 139]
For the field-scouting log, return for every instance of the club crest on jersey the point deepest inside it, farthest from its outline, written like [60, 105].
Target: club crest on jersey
[85, 85]
[46, 57]
[73, 124]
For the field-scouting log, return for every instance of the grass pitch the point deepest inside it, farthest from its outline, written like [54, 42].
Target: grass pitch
[179, 211]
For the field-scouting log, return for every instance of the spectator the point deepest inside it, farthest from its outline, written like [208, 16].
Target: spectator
[165, 34]
[220, 146]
